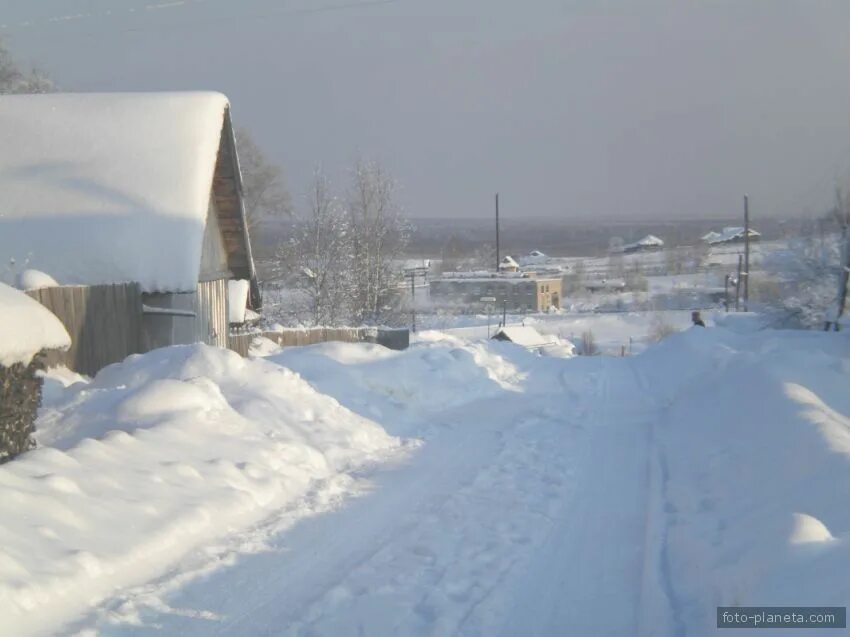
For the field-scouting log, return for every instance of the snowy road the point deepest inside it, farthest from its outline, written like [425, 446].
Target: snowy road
[520, 514]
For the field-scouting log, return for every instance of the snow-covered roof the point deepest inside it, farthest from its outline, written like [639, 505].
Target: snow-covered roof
[730, 233]
[26, 328]
[534, 257]
[104, 188]
[711, 236]
[508, 262]
[648, 241]
[522, 335]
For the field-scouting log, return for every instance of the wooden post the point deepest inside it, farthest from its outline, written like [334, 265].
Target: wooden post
[726, 293]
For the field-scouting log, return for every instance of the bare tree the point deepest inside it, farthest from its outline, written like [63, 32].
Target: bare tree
[15, 80]
[379, 236]
[319, 255]
[264, 189]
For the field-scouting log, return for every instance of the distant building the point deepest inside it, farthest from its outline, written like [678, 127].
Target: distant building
[605, 285]
[649, 243]
[535, 257]
[508, 264]
[514, 291]
[731, 234]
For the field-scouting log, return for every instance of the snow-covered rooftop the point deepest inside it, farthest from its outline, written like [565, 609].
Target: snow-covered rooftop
[522, 335]
[648, 241]
[729, 233]
[26, 328]
[104, 188]
[508, 262]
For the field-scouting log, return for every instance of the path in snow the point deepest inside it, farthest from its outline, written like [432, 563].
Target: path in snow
[521, 514]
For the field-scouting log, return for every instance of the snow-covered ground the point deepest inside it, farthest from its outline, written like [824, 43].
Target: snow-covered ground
[460, 487]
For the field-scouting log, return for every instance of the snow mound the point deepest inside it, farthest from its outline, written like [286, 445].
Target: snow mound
[378, 382]
[174, 448]
[35, 280]
[807, 529]
[755, 431]
[26, 328]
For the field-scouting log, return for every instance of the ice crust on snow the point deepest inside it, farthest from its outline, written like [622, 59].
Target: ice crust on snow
[26, 328]
[109, 188]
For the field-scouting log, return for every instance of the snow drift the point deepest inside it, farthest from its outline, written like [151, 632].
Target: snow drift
[754, 457]
[154, 457]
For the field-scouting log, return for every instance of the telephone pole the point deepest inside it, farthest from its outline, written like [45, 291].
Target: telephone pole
[498, 256]
[746, 272]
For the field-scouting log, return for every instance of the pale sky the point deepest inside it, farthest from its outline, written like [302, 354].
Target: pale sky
[577, 108]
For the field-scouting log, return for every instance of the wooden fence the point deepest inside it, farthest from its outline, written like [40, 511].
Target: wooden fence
[392, 338]
[104, 322]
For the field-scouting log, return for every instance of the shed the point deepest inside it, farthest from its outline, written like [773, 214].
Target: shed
[136, 189]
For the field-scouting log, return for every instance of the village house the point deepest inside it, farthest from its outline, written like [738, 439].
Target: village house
[731, 234]
[132, 203]
[520, 292]
[650, 243]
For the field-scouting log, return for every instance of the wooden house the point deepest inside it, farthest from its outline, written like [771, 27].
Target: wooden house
[133, 204]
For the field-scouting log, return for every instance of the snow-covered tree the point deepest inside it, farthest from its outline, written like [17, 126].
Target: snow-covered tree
[318, 256]
[15, 80]
[263, 185]
[808, 272]
[379, 235]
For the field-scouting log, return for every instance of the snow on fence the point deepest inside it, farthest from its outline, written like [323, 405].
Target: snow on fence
[104, 322]
[388, 337]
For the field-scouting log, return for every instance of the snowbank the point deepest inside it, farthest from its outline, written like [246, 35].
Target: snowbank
[35, 280]
[154, 457]
[754, 469]
[26, 328]
[107, 188]
[435, 374]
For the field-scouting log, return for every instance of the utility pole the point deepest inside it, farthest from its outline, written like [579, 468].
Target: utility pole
[726, 293]
[746, 272]
[498, 255]
[738, 284]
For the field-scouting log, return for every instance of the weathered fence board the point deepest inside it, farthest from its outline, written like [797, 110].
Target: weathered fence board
[103, 321]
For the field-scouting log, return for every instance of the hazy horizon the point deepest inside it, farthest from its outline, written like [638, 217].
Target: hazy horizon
[654, 109]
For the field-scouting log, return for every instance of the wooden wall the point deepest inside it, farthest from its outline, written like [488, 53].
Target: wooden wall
[104, 322]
